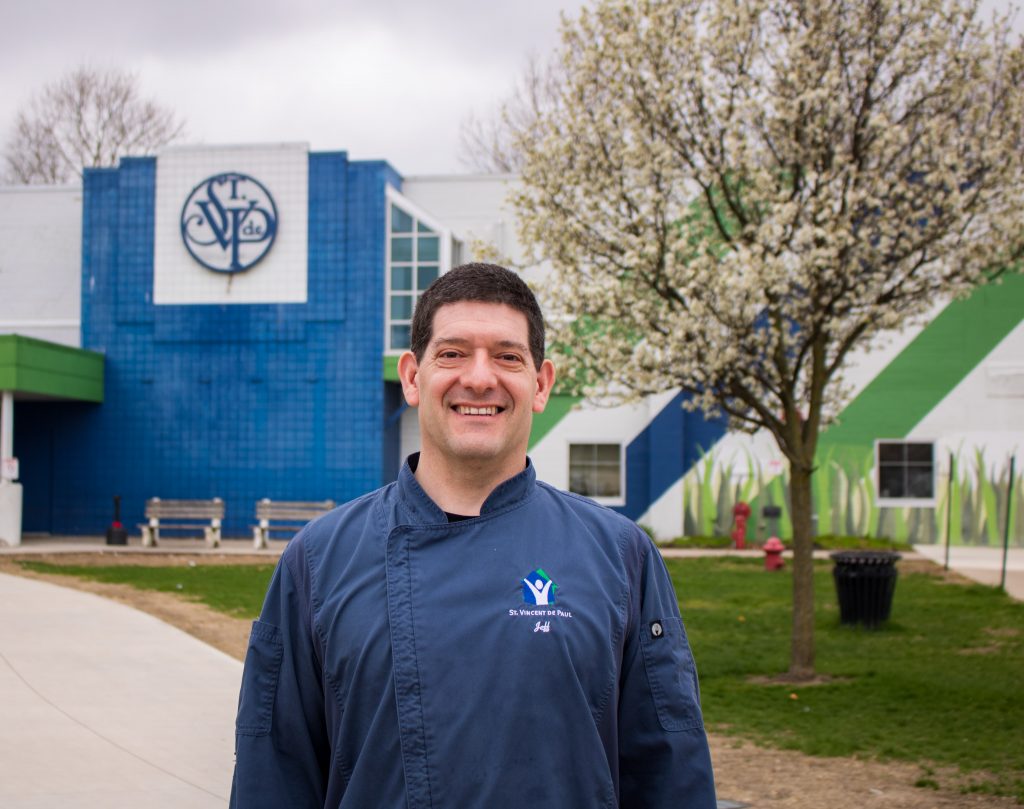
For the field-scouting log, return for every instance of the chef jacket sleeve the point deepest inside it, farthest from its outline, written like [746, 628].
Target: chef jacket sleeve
[664, 759]
[281, 746]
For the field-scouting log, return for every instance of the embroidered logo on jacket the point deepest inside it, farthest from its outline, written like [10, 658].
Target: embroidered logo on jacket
[539, 589]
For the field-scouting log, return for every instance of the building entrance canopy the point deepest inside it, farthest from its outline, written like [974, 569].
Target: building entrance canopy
[37, 369]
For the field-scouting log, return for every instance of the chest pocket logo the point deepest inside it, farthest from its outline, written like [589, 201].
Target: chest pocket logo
[539, 589]
[672, 674]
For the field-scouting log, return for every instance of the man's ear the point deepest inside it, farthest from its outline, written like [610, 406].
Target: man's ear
[545, 381]
[408, 369]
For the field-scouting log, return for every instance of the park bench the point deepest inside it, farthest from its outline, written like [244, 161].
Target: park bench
[183, 515]
[285, 516]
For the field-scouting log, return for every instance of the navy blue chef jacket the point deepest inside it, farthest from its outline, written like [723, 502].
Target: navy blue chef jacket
[532, 656]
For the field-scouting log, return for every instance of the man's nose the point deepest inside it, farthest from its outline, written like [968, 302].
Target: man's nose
[478, 373]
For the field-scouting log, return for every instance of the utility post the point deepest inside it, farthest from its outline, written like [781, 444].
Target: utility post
[10, 489]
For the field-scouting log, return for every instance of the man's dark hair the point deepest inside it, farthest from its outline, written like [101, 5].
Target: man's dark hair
[486, 283]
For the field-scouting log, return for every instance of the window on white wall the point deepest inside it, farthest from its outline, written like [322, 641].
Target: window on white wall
[418, 250]
[596, 471]
[905, 472]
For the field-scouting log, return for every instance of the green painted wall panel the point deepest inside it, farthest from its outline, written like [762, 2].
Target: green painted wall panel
[32, 366]
[558, 407]
[931, 366]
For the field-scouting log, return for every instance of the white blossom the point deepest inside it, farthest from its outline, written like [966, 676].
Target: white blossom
[734, 194]
[729, 190]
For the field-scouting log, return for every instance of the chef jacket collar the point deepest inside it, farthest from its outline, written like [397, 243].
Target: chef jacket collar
[423, 510]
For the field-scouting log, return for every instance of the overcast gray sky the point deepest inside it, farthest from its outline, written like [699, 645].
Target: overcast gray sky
[386, 79]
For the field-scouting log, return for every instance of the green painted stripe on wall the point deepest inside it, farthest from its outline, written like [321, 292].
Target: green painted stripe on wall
[390, 368]
[41, 368]
[557, 409]
[931, 366]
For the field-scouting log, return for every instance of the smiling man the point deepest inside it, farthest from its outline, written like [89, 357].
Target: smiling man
[469, 636]
[477, 383]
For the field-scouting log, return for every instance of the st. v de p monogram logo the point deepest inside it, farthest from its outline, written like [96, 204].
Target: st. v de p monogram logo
[229, 222]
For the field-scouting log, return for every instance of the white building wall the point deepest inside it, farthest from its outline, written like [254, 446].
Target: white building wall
[586, 423]
[986, 410]
[589, 424]
[409, 433]
[665, 515]
[476, 207]
[41, 262]
[472, 205]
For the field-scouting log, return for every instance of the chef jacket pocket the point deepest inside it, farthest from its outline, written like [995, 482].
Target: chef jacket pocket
[672, 674]
[259, 680]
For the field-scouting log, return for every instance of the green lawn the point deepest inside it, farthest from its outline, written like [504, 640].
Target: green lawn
[940, 684]
[235, 589]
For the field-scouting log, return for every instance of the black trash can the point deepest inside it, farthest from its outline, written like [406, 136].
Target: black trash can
[865, 583]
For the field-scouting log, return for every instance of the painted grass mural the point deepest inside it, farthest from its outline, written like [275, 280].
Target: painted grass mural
[846, 500]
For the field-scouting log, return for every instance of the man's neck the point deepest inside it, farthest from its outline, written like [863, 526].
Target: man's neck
[462, 488]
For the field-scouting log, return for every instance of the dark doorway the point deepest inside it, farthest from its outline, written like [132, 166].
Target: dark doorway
[34, 449]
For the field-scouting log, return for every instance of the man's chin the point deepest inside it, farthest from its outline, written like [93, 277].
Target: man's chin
[475, 451]
[480, 451]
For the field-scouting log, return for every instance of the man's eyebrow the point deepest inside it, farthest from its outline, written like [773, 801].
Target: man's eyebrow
[464, 341]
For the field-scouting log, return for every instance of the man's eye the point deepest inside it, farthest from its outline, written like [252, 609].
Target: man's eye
[510, 358]
[448, 355]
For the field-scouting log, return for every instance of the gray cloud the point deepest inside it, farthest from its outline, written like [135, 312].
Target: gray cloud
[390, 78]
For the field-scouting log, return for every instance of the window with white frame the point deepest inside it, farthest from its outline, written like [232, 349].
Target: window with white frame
[905, 471]
[418, 250]
[596, 471]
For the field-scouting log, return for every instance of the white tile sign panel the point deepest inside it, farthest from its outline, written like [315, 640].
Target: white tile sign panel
[231, 224]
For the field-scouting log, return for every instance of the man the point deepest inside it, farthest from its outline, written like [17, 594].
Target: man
[469, 636]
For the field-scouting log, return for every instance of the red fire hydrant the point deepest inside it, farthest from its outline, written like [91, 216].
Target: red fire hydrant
[773, 549]
[740, 513]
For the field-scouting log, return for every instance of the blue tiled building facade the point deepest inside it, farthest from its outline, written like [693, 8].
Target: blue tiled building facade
[277, 378]
[238, 401]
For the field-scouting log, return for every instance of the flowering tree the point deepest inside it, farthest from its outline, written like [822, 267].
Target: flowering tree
[86, 118]
[734, 194]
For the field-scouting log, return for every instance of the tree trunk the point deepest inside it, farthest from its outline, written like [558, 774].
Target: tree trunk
[801, 661]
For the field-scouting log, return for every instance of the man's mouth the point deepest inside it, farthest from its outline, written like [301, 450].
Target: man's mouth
[466, 410]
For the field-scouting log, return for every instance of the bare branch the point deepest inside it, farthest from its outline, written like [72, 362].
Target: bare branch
[489, 143]
[87, 118]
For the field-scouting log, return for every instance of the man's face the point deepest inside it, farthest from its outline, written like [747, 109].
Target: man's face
[477, 386]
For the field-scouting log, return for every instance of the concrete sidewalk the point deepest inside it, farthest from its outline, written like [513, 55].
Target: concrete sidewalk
[983, 565]
[32, 545]
[102, 706]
